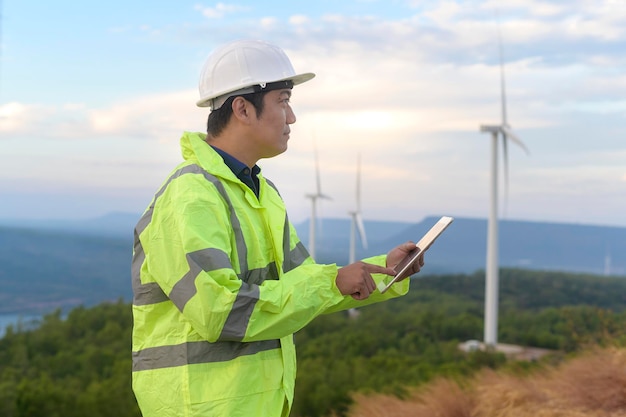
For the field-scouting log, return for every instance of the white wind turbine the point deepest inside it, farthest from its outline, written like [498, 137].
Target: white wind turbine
[491, 284]
[357, 225]
[314, 197]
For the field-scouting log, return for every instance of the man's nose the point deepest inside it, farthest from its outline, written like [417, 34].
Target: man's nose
[291, 116]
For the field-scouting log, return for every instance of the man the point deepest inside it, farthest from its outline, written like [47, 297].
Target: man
[221, 281]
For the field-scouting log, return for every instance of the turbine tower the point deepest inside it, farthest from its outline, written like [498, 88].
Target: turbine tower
[314, 197]
[357, 225]
[491, 285]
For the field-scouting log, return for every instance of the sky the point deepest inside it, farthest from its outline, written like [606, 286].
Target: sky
[94, 97]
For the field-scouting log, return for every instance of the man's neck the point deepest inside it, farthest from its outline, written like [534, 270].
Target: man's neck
[232, 146]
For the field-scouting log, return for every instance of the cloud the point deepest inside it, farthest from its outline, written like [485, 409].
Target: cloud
[408, 94]
[220, 10]
[467, 31]
[298, 20]
[158, 117]
[23, 119]
[375, 77]
[12, 116]
[435, 71]
[268, 22]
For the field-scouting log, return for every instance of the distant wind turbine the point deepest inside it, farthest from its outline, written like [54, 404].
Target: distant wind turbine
[491, 286]
[607, 261]
[314, 197]
[357, 225]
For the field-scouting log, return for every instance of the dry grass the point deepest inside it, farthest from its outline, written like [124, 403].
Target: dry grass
[432, 400]
[591, 385]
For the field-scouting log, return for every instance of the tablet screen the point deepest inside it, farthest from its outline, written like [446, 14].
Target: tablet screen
[420, 247]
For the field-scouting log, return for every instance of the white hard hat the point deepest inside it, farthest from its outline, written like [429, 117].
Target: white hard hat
[243, 67]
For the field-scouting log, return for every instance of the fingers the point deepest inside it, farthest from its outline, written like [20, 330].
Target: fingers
[366, 284]
[376, 269]
[356, 279]
[359, 296]
[370, 284]
[410, 247]
[407, 246]
[417, 265]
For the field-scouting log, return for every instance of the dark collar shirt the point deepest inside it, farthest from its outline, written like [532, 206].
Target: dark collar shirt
[242, 171]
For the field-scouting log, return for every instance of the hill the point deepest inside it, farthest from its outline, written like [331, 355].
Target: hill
[79, 365]
[462, 247]
[48, 264]
[41, 270]
[114, 224]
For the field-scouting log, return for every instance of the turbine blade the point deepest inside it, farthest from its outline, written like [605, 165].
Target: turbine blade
[318, 184]
[358, 183]
[361, 228]
[502, 80]
[508, 133]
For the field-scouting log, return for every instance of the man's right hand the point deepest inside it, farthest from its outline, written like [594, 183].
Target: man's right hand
[356, 279]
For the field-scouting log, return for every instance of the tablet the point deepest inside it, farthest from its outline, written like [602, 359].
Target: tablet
[420, 247]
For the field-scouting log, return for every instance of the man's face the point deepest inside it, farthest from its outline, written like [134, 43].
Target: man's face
[271, 129]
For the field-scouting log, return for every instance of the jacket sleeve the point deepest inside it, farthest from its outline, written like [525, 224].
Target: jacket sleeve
[396, 290]
[192, 258]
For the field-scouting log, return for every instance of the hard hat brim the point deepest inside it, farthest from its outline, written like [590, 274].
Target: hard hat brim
[296, 79]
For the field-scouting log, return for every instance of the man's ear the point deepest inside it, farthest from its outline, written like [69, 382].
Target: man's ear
[241, 109]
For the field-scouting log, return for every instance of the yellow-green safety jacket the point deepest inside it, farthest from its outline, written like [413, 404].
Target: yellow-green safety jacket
[221, 283]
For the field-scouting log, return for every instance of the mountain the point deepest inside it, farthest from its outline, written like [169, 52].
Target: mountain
[462, 247]
[116, 224]
[45, 265]
[41, 270]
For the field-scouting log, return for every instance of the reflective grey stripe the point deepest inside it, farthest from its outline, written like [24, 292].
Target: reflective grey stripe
[271, 184]
[196, 353]
[143, 294]
[237, 322]
[258, 275]
[247, 297]
[151, 293]
[286, 240]
[242, 249]
[295, 257]
[206, 260]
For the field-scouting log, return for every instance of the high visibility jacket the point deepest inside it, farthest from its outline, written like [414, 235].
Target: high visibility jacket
[221, 283]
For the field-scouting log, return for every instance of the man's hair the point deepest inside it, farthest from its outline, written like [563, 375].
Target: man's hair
[218, 119]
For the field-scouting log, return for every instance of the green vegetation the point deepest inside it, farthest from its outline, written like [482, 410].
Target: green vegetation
[80, 366]
[411, 340]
